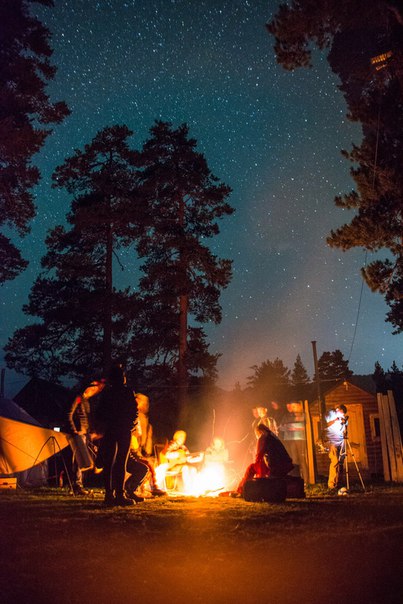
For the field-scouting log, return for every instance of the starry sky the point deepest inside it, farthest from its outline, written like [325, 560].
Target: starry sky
[273, 136]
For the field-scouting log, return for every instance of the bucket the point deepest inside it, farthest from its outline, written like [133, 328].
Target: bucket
[80, 451]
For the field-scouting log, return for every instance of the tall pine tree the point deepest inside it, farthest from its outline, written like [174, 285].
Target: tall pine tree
[84, 317]
[299, 374]
[25, 112]
[333, 366]
[182, 279]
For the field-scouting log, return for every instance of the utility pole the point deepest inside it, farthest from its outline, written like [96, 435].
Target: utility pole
[322, 406]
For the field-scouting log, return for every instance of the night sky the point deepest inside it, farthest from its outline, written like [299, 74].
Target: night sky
[273, 136]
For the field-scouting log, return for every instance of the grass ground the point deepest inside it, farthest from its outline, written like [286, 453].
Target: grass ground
[322, 549]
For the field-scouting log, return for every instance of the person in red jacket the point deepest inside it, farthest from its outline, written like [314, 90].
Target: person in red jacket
[271, 460]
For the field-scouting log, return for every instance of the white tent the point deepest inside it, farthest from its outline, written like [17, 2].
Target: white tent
[25, 444]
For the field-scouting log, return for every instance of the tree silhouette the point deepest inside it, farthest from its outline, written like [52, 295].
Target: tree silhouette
[270, 380]
[182, 279]
[367, 55]
[333, 366]
[25, 112]
[299, 374]
[379, 378]
[84, 317]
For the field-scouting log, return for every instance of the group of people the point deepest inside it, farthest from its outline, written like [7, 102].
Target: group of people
[113, 422]
[114, 419]
[281, 443]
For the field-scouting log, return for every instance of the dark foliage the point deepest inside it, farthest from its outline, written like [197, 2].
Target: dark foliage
[161, 204]
[365, 44]
[83, 317]
[182, 279]
[333, 366]
[270, 381]
[25, 113]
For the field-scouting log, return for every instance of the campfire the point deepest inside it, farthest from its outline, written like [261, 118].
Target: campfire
[196, 480]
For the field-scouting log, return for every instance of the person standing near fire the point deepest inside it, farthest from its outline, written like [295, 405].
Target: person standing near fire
[117, 413]
[80, 418]
[261, 417]
[292, 433]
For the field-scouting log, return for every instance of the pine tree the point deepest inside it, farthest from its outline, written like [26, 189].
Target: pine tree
[182, 277]
[84, 317]
[380, 378]
[299, 374]
[394, 369]
[270, 380]
[25, 112]
[367, 55]
[395, 376]
[333, 366]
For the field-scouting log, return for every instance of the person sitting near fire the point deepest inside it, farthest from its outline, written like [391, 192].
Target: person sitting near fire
[271, 460]
[217, 452]
[216, 465]
[261, 416]
[141, 450]
[136, 473]
[177, 459]
[81, 423]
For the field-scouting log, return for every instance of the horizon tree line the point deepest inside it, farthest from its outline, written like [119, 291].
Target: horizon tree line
[274, 381]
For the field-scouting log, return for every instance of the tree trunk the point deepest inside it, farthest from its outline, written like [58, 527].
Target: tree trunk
[182, 369]
[183, 323]
[107, 340]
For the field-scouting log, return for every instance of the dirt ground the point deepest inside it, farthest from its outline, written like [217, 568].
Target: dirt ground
[322, 549]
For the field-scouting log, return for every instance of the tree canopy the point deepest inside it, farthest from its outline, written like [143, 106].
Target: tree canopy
[364, 41]
[83, 316]
[161, 203]
[333, 366]
[270, 380]
[299, 374]
[182, 279]
[25, 113]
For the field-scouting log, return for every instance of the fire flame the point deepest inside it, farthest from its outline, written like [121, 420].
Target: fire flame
[208, 481]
